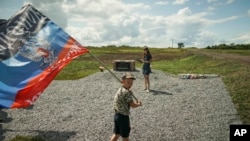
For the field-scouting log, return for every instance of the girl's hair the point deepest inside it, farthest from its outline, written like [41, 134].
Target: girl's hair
[146, 48]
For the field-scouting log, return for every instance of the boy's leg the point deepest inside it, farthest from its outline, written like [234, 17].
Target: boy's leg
[125, 139]
[122, 127]
[125, 128]
[115, 137]
[116, 134]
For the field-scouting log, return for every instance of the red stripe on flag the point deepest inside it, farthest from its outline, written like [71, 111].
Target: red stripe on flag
[36, 86]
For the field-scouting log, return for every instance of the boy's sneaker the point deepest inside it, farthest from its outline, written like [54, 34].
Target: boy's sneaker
[147, 90]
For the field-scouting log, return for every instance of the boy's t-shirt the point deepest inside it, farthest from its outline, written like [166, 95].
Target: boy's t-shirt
[122, 101]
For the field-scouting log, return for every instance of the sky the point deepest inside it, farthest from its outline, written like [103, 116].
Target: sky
[154, 23]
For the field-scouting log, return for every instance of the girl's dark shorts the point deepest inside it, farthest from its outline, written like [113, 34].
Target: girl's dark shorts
[122, 125]
[146, 70]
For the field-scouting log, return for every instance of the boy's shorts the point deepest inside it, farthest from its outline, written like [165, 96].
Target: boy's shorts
[122, 125]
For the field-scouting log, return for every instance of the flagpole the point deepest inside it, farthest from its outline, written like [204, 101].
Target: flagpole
[109, 71]
[104, 66]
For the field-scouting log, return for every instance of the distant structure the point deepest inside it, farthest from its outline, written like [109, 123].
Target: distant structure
[172, 43]
[181, 45]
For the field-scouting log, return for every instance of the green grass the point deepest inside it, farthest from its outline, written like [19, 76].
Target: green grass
[240, 52]
[78, 69]
[195, 64]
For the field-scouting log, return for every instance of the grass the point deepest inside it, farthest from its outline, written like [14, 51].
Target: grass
[240, 52]
[78, 69]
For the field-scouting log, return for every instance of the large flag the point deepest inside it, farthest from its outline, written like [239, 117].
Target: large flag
[33, 50]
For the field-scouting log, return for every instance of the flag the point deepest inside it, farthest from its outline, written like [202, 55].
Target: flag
[33, 50]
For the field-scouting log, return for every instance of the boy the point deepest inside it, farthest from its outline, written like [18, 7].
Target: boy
[122, 102]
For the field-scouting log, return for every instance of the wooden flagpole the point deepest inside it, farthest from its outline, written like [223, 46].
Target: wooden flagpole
[97, 59]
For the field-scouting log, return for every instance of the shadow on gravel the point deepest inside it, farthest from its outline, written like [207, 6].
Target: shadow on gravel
[55, 135]
[30, 107]
[1, 133]
[4, 117]
[46, 135]
[155, 92]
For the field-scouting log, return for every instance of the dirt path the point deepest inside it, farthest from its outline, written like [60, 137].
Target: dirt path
[230, 56]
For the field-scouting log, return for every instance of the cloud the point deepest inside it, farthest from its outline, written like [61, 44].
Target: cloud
[211, 1]
[184, 12]
[185, 26]
[205, 38]
[179, 1]
[217, 2]
[99, 23]
[248, 12]
[161, 3]
[219, 21]
[52, 9]
[229, 1]
[210, 8]
[242, 38]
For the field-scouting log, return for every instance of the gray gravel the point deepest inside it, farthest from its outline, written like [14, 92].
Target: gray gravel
[81, 110]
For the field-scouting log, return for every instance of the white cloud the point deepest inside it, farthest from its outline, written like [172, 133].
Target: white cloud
[229, 1]
[241, 39]
[217, 2]
[205, 38]
[52, 9]
[161, 3]
[211, 1]
[218, 21]
[98, 23]
[180, 1]
[126, 25]
[184, 12]
[104, 24]
[210, 8]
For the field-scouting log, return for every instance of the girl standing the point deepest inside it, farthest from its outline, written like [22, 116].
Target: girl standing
[146, 70]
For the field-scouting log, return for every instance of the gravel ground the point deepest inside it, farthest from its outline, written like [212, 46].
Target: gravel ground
[81, 110]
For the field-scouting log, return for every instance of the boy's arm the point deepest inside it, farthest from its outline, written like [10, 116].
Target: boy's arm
[135, 104]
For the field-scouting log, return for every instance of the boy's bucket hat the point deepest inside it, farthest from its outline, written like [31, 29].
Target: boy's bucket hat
[129, 75]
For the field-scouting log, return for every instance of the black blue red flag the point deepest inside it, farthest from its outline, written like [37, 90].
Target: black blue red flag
[33, 50]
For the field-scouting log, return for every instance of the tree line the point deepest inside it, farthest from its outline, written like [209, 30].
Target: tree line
[230, 46]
